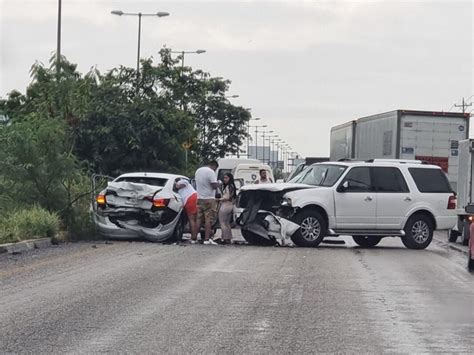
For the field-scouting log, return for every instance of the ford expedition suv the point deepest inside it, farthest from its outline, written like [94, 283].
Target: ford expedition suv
[368, 200]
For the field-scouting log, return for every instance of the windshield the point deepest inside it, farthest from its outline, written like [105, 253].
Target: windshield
[319, 175]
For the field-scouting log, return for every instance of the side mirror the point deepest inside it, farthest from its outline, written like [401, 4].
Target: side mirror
[343, 187]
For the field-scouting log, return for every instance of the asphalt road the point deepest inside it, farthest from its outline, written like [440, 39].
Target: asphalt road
[144, 298]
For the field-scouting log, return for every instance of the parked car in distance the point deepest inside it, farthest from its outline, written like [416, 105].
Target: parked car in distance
[137, 205]
[368, 200]
[248, 173]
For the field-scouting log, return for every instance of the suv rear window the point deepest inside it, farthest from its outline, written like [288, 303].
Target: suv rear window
[430, 180]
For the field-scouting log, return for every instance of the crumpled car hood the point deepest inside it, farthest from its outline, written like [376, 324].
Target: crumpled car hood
[276, 187]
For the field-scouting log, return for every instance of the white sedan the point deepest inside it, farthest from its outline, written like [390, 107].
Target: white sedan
[137, 205]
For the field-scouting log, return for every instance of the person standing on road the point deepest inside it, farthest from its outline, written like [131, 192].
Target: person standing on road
[189, 197]
[263, 179]
[206, 185]
[227, 207]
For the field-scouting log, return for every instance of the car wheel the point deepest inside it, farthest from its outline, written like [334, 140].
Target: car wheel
[418, 232]
[312, 229]
[255, 239]
[366, 241]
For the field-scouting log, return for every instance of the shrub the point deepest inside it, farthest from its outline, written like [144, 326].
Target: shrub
[30, 223]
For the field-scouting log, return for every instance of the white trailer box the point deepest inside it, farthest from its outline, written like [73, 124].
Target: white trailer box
[421, 135]
[465, 194]
[465, 174]
[342, 141]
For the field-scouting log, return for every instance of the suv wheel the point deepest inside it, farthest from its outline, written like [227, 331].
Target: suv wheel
[255, 239]
[366, 241]
[418, 232]
[312, 229]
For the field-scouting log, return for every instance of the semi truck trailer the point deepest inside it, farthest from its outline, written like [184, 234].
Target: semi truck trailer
[404, 134]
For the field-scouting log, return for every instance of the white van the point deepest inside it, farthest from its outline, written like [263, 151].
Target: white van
[248, 173]
[227, 165]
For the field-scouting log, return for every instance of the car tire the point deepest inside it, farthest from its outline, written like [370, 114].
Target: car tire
[255, 239]
[366, 241]
[313, 229]
[418, 232]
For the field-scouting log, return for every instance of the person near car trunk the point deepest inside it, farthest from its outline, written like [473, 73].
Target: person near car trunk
[189, 197]
[263, 179]
[226, 208]
[206, 186]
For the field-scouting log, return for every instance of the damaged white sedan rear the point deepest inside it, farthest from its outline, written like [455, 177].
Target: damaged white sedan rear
[140, 205]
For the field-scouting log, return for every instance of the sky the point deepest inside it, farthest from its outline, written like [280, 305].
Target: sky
[301, 66]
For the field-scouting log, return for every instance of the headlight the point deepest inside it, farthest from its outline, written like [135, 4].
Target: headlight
[285, 201]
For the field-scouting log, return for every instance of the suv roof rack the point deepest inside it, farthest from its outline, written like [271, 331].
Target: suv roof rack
[349, 159]
[400, 161]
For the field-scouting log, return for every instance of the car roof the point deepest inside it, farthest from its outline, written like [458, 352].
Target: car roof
[153, 175]
[382, 163]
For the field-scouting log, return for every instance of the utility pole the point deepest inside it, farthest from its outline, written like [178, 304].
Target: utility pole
[58, 39]
[463, 105]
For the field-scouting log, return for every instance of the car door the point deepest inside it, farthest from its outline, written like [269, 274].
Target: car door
[355, 202]
[394, 198]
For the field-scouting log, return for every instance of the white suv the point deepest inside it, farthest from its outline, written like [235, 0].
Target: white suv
[368, 200]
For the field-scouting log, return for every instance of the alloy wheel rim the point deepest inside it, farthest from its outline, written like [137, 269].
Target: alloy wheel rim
[420, 231]
[310, 229]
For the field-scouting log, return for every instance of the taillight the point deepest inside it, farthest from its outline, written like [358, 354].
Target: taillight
[452, 202]
[161, 202]
[100, 199]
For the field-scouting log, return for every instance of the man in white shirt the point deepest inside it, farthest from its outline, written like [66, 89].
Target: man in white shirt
[263, 179]
[206, 185]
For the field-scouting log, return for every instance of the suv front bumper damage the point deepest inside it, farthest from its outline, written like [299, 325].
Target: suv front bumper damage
[272, 227]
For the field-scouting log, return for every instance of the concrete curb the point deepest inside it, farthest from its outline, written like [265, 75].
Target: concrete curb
[24, 246]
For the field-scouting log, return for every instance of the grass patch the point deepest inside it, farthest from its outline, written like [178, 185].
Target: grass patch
[30, 223]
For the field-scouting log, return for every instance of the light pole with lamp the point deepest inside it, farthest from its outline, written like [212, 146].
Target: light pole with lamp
[140, 15]
[248, 134]
[198, 51]
[58, 39]
[263, 160]
[256, 137]
[271, 145]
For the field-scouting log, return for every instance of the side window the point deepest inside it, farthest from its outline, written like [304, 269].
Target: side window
[358, 180]
[430, 180]
[387, 179]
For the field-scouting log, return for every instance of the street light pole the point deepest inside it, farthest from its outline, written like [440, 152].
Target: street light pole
[182, 53]
[139, 40]
[58, 44]
[256, 138]
[248, 134]
[140, 15]
[263, 160]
